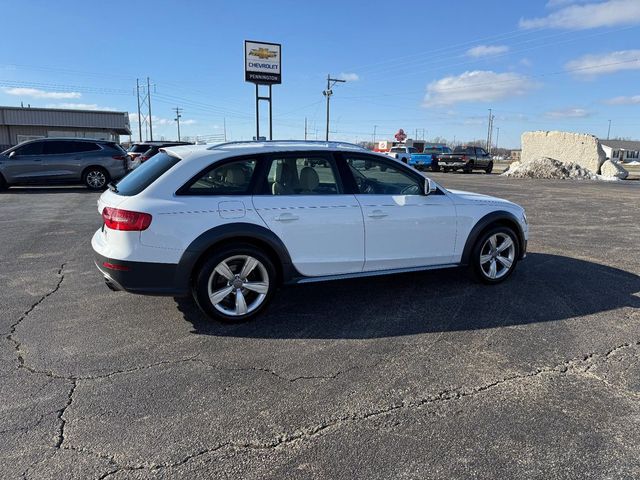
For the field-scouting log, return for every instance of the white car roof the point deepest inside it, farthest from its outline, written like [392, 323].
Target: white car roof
[251, 147]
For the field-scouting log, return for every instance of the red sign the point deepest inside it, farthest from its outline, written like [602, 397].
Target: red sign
[401, 136]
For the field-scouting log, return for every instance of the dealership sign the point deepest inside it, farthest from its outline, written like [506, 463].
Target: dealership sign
[262, 62]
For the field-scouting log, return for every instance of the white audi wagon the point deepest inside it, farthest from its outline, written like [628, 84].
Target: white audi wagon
[230, 223]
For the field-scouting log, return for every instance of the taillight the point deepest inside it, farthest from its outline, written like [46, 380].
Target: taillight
[143, 158]
[464, 157]
[125, 220]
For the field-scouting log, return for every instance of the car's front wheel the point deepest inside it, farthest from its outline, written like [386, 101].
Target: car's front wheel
[495, 255]
[235, 284]
[489, 168]
[95, 178]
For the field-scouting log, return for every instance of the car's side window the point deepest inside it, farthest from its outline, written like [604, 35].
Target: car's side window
[29, 149]
[232, 178]
[55, 147]
[304, 175]
[378, 177]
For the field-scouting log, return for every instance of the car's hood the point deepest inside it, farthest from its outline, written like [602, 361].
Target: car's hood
[470, 197]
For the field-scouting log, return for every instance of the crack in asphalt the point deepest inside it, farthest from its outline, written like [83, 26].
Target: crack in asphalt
[579, 366]
[12, 330]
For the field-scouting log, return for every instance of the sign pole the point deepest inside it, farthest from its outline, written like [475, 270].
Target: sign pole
[257, 113]
[270, 116]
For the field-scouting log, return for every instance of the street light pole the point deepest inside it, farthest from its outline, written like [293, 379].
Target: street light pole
[327, 93]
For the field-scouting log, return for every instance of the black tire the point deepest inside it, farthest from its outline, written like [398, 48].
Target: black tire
[445, 170]
[96, 178]
[482, 271]
[468, 168]
[208, 281]
[435, 167]
[3, 184]
[489, 168]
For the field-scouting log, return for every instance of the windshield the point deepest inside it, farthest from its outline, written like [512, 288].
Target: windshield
[147, 173]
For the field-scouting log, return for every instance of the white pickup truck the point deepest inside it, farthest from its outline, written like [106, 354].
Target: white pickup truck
[401, 153]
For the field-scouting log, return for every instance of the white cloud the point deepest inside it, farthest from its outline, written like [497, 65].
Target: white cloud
[598, 64]
[592, 15]
[632, 100]
[564, 3]
[37, 93]
[79, 106]
[569, 113]
[349, 77]
[484, 50]
[189, 121]
[476, 86]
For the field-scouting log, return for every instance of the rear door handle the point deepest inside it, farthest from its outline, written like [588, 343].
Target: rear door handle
[286, 217]
[377, 214]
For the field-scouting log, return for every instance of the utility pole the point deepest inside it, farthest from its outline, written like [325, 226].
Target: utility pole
[149, 103]
[224, 123]
[609, 130]
[139, 115]
[489, 131]
[497, 136]
[305, 128]
[177, 119]
[374, 134]
[327, 93]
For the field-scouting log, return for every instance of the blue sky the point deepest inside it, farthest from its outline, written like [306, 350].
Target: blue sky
[433, 66]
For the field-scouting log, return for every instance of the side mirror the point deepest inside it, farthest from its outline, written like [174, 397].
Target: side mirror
[430, 187]
[12, 154]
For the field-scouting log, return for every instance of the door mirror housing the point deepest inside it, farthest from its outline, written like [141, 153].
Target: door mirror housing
[430, 187]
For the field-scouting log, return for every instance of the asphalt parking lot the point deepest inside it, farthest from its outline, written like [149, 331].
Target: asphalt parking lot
[425, 375]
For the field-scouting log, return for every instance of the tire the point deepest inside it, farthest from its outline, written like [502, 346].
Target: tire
[468, 168]
[445, 170]
[3, 184]
[489, 168]
[498, 248]
[96, 178]
[435, 167]
[235, 302]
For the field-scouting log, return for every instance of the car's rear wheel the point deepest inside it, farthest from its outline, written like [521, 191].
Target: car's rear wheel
[468, 168]
[95, 178]
[489, 168]
[445, 170]
[495, 255]
[235, 284]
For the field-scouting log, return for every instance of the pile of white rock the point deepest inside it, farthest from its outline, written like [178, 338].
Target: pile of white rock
[564, 155]
[545, 167]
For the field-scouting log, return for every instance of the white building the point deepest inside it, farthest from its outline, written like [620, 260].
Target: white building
[621, 150]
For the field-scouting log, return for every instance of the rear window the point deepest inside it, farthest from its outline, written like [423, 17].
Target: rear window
[138, 148]
[397, 150]
[147, 173]
[463, 150]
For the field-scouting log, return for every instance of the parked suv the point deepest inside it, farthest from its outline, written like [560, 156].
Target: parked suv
[229, 223]
[63, 160]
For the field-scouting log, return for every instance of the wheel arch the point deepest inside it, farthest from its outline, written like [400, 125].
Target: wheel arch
[230, 234]
[89, 167]
[493, 219]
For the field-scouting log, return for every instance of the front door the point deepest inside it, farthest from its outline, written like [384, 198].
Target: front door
[26, 165]
[404, 228]
[302, 200]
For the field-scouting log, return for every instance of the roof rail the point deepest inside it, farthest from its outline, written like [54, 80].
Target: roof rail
[267, 142]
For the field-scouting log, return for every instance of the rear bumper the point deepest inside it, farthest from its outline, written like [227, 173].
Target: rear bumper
[141, 277]
[453, 164]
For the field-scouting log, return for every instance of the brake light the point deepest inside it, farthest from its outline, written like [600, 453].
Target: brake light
[125, 220]
[113, 266]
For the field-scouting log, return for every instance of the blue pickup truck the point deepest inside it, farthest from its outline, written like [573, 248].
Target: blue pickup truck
[428, 159]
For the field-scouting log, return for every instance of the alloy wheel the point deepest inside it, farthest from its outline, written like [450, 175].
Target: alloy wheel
[238, 285]
[96, 179]
[497, 256]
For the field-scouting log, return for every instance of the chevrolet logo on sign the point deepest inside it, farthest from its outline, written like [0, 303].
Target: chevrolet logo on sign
[262, 62]
[263, 53]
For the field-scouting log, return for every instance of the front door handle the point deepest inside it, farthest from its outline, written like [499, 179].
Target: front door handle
[286, 217]
[377, 214]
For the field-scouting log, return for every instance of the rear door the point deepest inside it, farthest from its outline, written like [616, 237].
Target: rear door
[63, 159]
[301, 198]
[403, 227]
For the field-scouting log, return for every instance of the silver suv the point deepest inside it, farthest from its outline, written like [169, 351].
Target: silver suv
[63, 160]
